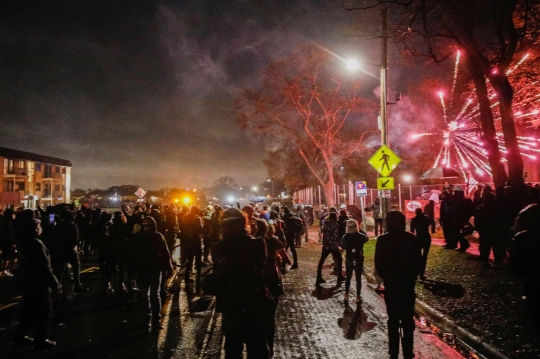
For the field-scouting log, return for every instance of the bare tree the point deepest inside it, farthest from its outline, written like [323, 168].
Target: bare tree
[303, 104]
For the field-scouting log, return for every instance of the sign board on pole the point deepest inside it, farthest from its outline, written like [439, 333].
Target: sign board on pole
[385, 183]
[385, 194]
[384, 161]
[361, 188]
[10, 197]
[140, 193]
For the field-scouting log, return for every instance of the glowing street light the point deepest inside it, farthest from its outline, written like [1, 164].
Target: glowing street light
[407, 178]
[353, 64]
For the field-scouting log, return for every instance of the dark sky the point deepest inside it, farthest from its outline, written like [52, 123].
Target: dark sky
[140, 92]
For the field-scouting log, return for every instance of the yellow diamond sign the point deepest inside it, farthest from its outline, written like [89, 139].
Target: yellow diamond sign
[385, 183]
[384, 161]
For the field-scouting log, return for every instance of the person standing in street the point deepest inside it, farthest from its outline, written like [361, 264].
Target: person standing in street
[37, 280]
[420, 226]
[293, 226]
[193, 232]
[353, 244]
[398, 261]
[331, 245]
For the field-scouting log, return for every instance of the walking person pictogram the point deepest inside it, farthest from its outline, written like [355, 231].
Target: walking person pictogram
[385, 159]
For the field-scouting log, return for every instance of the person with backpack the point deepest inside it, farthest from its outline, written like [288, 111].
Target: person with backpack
[239, 283]
[353, 243]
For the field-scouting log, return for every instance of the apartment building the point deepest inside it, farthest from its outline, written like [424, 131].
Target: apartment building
[29, 179]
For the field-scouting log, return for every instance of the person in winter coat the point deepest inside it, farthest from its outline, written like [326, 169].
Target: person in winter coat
[420, 226]
[7, 242]
[342, 222]
[398, 262]
[488, 222]
[429, 210]
[63, 244]
[37, 280]
[239, 263]
[118, 235]
[353, 243]
[193, 232]
[150, 256]
[331, 245]
[293, 228]
[524, 254]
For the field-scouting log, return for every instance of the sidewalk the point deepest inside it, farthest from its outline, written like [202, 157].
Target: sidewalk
[485, 302]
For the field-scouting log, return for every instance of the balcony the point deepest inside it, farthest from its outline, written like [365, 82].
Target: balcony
[52, 176]
[15, 172]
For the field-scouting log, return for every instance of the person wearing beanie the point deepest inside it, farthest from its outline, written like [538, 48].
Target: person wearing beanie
[353, 243]
[398, 261]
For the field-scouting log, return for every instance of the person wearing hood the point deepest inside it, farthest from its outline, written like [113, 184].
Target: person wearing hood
[193, 232]
[293, 226]
[524, 254]
[463, 211]
[353, 243]
[64, 240]
[37, 280]
[7, 242]
[151, 257]
[240, 287]
[398, 261]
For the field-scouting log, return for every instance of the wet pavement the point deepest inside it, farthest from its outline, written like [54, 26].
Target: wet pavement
[310, 323]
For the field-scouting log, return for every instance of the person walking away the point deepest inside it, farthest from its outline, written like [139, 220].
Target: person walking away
[274, 283]
[342, 222]
[488, 223]
[353, 243]
[241, 292]
[420, 226]
[193, 231]
[293, 226]
[446, 219]
[118, 234]
[183, 239]
[171, 227]
[377, 216]
[331, 245]
[398, 261]
[524, 254]
[63, 242]
[429, 211]
[151, 256]
[37, 280]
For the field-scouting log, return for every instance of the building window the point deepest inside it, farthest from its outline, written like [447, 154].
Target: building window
[63, 188]
[21, 164]
[38, 186]
[8, 166]
[57, 187]
[38, 167]
[63, 170]
[8, 186]
[57, 169]
[20, 186]
[48, 171]
[46, 190]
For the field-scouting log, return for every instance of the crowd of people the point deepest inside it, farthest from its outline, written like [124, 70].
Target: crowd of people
[248, 250]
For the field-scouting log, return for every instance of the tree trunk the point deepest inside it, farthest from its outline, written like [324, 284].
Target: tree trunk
[505, 94]
[489, 134]
[329, 188]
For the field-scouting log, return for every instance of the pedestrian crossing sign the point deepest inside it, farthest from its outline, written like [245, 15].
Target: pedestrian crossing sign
[385, 183]
[384, 161]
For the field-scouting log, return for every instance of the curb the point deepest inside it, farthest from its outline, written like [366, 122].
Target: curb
[447, 325]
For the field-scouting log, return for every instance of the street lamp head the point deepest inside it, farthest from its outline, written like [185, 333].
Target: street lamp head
[407, 178]
[269, 180]
[254, 188]
[353, 65]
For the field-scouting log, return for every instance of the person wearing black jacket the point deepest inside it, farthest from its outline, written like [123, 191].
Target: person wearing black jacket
[353, 243]
[420, 226]
[398, 262]
[293, 227]
[241, 292]
[524, 254]
[37, 279]
[63, 242]
[429, 210]
[192, 231]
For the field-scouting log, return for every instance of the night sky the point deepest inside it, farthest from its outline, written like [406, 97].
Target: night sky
[141, 92]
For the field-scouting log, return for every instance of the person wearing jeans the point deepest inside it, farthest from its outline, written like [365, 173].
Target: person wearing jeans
[331, 245]
[353, 243]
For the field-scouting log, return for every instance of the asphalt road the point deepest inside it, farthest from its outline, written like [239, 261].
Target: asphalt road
[310, 323]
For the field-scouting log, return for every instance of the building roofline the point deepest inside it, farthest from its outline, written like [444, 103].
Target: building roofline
[29, 156]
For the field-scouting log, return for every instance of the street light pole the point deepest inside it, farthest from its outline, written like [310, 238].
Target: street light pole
[384, 116]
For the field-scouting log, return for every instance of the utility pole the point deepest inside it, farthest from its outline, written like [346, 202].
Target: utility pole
[384, 116]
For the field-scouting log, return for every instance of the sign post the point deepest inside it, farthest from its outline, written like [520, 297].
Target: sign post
[361, 191]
